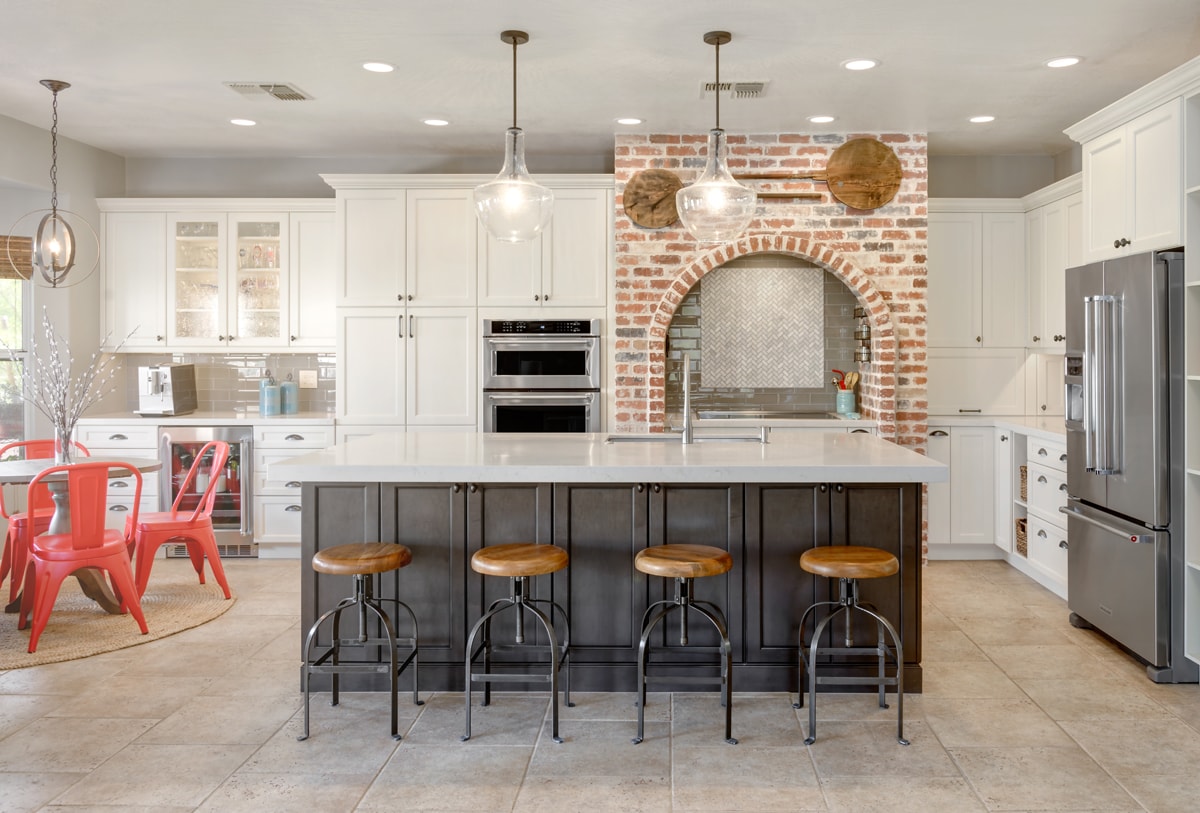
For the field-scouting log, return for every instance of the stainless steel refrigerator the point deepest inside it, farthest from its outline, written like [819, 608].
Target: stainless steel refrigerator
[1124, 419]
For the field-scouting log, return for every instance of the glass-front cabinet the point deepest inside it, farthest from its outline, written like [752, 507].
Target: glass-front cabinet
[229, 279]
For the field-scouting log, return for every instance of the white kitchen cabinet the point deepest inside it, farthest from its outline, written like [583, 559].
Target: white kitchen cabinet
[961, 511]
[369, 247]
[1133, 187]
[312, 322]
[135, 290]
[1044, 388]
[408, 366]
[1002, 478]
[976, 381]
[976, 274]
[111, 440]
[277, 498]
[1053, 243]
[567, 266]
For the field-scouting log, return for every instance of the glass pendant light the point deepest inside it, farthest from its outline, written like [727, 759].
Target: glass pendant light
[54, 247]
[513, 207]
[716, 208]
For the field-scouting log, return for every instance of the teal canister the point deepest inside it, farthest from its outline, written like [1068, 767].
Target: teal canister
[268, 396]
[289, 396]
[845, 401]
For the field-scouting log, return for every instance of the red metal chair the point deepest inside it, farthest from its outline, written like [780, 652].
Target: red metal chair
[193, 528]
[13, 559]
[53, 557]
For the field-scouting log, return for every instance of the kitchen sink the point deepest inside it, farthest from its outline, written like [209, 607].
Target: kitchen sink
[676, 437]
[761, 414]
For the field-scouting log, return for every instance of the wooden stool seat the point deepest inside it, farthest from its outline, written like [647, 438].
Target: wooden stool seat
[849, 562]
[361, 558]
[519, 559]
[683, 561]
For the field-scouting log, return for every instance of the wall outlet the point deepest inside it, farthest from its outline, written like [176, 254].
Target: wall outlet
[308, 379]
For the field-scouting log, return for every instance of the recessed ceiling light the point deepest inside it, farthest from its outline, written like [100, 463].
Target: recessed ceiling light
[436, 122]
[981, 119]
[820, 119]
[378, 67]
[630, 121]
[1062, 62]
[243, 122]
[860, 64]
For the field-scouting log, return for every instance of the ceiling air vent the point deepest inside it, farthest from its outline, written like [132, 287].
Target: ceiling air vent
[735, 90]
[279, 90]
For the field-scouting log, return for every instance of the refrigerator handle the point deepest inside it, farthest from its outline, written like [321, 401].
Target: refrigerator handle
[1089, 384]
[1108, 367]
[1104, 526]
[245, 475]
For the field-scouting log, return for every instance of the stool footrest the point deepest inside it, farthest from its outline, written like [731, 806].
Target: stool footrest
[500, 677]
[693, 679]
[851, 680]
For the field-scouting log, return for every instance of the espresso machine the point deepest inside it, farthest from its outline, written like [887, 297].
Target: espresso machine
[166, 389]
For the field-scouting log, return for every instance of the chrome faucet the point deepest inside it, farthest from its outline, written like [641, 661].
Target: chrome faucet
[687, 398]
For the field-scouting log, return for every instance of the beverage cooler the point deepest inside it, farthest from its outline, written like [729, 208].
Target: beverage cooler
[232, 523]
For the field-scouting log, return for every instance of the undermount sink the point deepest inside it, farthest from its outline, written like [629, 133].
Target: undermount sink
[676, 437]
[761, 414]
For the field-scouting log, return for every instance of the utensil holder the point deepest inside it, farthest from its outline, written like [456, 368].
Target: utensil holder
[845, 401]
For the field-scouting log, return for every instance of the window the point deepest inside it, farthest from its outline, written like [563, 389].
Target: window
[12, 356]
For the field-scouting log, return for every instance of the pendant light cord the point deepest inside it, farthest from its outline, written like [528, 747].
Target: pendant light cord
[514, 45]
[717, 89]
[54, 157]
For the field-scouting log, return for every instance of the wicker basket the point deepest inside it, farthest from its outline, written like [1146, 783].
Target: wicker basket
[1024, 483]
[1022, 536]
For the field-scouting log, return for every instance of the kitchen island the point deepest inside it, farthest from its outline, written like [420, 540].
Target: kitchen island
[447, 494]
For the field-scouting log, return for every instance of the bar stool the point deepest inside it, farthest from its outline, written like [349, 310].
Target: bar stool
[361, 560]
[683, 563]
[518, 561]
[848, 564]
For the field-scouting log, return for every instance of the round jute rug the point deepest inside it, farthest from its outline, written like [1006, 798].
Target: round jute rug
[174, 601]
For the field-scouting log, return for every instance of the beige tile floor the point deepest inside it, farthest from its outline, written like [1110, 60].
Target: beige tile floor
[1020, 712]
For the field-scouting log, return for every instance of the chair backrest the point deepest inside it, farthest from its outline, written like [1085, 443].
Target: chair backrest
[87, 491]
[216, 466]
[32, 450]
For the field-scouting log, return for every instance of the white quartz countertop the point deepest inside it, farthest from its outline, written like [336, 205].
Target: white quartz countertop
[525, 458]
[209, 418]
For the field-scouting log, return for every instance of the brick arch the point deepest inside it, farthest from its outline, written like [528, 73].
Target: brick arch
[878, 386]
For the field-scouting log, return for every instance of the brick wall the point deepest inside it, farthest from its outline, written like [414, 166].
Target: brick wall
[878, 254]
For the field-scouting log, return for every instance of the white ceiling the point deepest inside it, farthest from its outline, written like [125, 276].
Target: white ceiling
[147, 75]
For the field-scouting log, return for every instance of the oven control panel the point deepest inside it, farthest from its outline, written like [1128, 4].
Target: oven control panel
[581, 327]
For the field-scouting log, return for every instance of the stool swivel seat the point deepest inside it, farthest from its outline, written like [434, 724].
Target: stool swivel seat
[518, 561]
[684, 563]
[848, 564]
[363, 561]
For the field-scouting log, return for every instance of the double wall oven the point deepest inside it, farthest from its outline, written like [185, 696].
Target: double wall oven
[541, 376]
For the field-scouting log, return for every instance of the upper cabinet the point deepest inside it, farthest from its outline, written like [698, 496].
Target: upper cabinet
[1053, 243]
[976, 274]
[1133, 185]
[213, 275]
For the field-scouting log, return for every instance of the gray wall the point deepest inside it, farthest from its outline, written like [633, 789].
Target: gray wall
[998, 176]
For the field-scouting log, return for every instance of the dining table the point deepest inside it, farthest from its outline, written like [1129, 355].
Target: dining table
[91, 580]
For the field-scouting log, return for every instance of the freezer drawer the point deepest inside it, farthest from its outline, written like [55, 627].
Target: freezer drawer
[1117, 580]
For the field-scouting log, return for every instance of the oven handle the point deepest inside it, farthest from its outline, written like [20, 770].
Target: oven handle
[533, 397]
[586, 343]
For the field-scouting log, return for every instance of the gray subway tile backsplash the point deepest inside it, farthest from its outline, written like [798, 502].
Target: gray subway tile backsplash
[230, 381]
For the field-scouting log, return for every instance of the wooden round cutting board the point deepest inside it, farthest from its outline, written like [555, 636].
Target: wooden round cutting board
[649, 198]
[863, 173]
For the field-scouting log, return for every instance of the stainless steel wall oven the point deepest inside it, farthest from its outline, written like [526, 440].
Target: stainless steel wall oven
[541, 376]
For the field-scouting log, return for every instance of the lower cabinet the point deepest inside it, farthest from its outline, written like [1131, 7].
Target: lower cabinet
[603, 526]
[961, 510]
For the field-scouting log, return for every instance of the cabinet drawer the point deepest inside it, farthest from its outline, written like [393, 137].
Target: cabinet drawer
[119, 509]
[293, 437]
[1048, 453]
[277, 519]
[1048, 546]
[267, 483]
[110, 438]
[123, 487]
[1047, 490]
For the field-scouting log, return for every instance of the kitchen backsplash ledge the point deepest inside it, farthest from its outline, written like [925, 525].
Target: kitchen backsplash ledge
[230, 381]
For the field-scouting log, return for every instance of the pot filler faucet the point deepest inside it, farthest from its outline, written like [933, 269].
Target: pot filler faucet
[687, 398]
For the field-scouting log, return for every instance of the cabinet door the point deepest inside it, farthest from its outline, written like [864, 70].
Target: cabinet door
[1104, 194]
[1002, 477]
[443, 385]
[440, 251]
[972, 493]
[1063, 250]
[782, 522]
[430, 520]
[313, 318]
[602, 526]
[1035, 252]
[371, 365]
[1003, 304]
[1155, 187]
[510, 274]
[135, 291]
[370, 247]
[937, 447]
[955, 272]
[257, 309]
[196, 280]
[578, 248]
[983, 381]
[1049, 391]
[698, 515]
